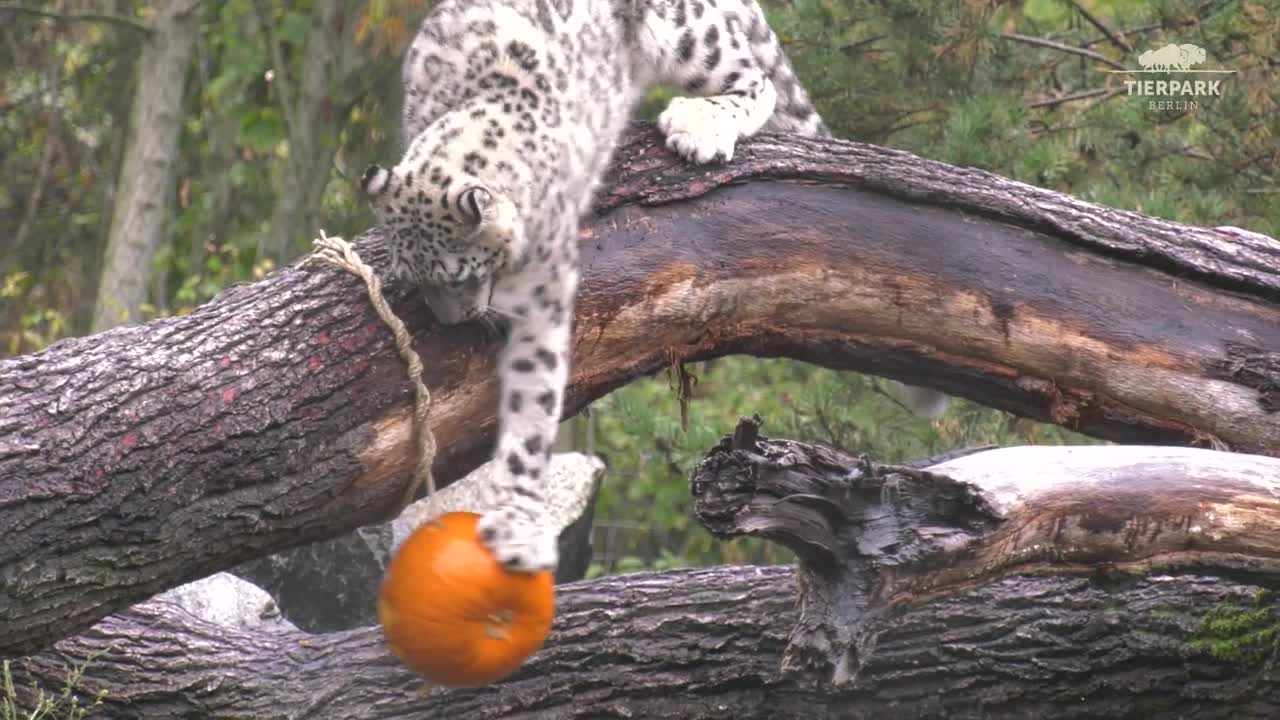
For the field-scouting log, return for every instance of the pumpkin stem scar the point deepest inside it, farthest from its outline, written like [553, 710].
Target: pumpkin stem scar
[499, 624]
[339, 252]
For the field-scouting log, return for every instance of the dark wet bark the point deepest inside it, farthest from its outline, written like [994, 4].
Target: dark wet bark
[876, 540]
[709, 644]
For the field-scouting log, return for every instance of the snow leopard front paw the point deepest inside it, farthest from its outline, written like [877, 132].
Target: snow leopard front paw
[519, 542]
[698, 129]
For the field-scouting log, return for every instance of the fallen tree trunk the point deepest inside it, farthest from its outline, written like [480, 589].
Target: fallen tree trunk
[875, 540]
[278, 414]
[1140, 601]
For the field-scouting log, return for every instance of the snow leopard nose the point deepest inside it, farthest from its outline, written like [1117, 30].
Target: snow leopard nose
[448, 310]
[456, 305]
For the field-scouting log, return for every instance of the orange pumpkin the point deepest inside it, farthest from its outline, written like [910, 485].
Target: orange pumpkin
[453, 614]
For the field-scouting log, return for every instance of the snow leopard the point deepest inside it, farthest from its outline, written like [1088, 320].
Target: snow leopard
[512, 112]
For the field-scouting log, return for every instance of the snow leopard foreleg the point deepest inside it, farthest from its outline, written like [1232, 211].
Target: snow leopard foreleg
[533, 369]
[739, 100]
[729, 57]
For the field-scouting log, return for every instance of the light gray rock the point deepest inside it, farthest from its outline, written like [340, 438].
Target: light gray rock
[333, 585]
[228, 600]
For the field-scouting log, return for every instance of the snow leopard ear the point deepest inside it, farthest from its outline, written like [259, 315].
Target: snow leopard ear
[375, 180]
[472, 203]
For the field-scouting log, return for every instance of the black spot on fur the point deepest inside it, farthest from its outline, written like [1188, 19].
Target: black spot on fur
[524, 365]
[473, 163]
[547, 401]
[533, 445]
[544, 17]
[515, 464]
[523, 54]
[712, 60]
[515, 401]
[684, 50]
[547, 357]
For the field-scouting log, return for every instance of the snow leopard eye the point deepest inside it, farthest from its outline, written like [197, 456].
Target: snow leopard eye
[472, 203]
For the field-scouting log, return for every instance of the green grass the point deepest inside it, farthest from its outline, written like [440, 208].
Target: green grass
[40, 704]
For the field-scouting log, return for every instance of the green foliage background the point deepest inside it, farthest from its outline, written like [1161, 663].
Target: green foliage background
[953, 80]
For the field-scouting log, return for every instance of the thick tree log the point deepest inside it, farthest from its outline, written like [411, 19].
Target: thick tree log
[278, 414]
[1115, 582]
[876, 539]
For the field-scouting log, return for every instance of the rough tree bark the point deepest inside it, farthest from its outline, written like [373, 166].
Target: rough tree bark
[146, 176]
[1019, 611]
[278, 414]
[875, 540]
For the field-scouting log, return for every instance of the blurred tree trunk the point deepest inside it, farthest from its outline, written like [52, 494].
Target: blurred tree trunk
[314, 113]
[53, 121]
[124, 75]
[146, 176]
[222, 142]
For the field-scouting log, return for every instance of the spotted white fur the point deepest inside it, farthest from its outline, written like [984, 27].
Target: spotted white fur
[513, 109]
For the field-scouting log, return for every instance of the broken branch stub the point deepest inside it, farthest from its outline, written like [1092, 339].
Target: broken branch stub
[874, 538]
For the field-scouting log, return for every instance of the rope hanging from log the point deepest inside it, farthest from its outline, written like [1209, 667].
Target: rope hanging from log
[337, 251]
